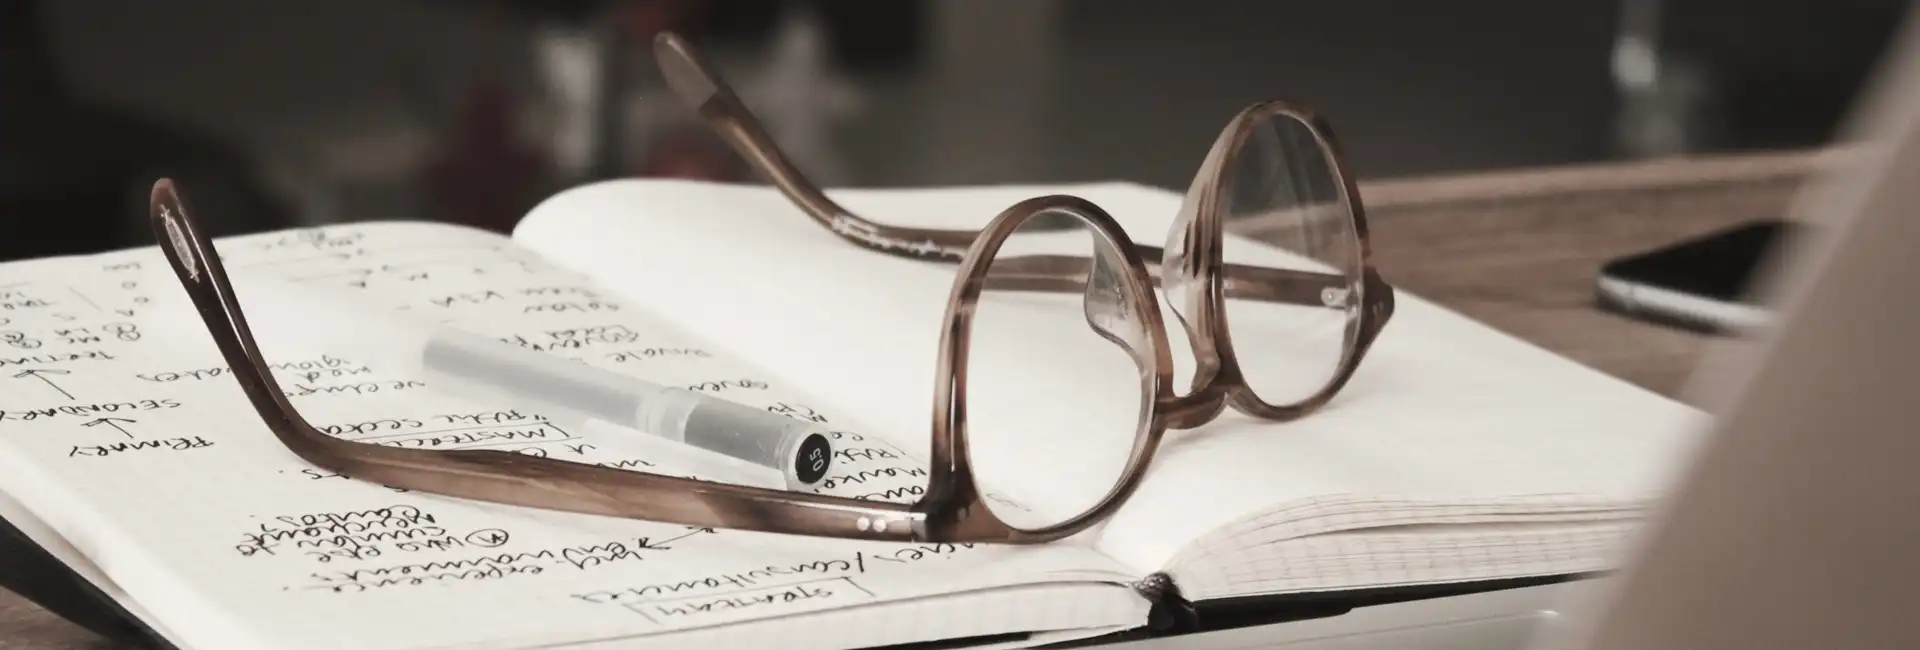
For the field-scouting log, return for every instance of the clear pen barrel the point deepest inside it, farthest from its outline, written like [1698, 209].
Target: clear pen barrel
[570, 391]
[797, 448]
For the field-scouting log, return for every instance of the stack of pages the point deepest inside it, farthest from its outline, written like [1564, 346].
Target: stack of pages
[1456, 454]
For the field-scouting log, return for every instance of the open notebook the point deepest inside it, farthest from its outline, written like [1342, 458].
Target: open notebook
[1457, 454]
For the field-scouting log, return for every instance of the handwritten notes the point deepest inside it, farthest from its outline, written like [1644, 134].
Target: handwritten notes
[121, 425]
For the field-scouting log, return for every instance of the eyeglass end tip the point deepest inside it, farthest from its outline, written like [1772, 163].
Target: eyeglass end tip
[685, 74]
[168, 213]
[162, 190]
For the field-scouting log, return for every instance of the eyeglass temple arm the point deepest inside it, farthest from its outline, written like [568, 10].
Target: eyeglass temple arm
[497, 476]
[703, 90]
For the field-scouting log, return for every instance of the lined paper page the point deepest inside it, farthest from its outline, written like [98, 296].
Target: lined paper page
[122, 429]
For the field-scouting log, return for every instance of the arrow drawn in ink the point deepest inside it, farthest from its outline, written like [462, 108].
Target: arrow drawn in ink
[112, 422]
[42, 376]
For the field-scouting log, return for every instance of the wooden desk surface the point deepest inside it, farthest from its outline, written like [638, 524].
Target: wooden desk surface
[1516, 250]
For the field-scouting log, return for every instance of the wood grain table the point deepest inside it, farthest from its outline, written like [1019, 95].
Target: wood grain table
[1516, 250]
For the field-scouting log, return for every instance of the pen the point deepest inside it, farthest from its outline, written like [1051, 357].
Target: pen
[469, 365]
[545, 383]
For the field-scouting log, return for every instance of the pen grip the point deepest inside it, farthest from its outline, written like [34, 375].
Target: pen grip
[797, 448]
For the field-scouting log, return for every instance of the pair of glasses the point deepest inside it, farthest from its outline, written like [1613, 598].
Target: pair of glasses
[1276, 328]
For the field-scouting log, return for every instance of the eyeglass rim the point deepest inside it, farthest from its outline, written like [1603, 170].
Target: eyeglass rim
[956, 508]
[1219, 384]
[1199, 234]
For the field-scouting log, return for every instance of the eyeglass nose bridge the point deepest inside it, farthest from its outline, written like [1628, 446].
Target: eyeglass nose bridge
[1177, 412]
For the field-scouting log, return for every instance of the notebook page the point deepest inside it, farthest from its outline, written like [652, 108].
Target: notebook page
[1444, 409]
[44, 536]
[975, 621]
[845, 323]
[129, 439]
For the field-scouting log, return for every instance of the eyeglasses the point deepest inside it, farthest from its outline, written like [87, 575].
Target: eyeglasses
[1053, 273]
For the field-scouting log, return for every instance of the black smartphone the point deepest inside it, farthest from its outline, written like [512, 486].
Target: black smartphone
[1702, 283]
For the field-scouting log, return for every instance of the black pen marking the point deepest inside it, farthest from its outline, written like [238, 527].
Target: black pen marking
[90, 409]
[727, 384]
[18, 340]
[488, 538]
[128, 332]
[83, 298]
[896, 493]
[570, 306]
[486, 567]
[488, 417]
[77, 335]
[308, 370]
[357, 428]
[749, 579]
[920, 552]
[41, 374]
[852, 454]
[23, 303]
[172, 444]
[643, 354]
[360, 388]
[575, 338]
[491, 435]
[558, 291]
[327, 536]
[864, 476]
[626, 464]
[854, 564]
[468, 298]
[797, 592]
[697, 531]
[113, 422]
[800, 411]
[52, 357]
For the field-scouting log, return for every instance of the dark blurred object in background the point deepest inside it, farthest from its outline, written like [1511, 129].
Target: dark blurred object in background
[1732, 75]
[592, 61]
[868, 35]
[483, 174]
[74, 176]
[308, 112]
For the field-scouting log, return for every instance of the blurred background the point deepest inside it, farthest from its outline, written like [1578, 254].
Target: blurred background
[300, 112]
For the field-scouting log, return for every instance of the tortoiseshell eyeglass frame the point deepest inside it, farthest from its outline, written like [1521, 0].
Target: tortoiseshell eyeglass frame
[953, 508]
